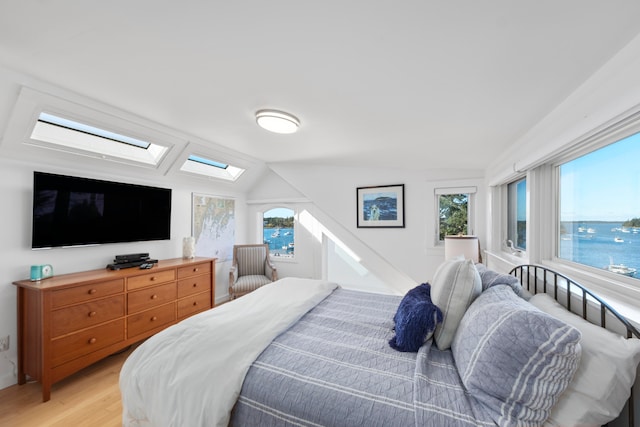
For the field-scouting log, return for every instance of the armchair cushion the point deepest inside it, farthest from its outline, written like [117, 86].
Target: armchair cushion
[250, 283]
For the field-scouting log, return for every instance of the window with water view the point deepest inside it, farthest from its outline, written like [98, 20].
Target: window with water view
[278, 231]
[600, 208]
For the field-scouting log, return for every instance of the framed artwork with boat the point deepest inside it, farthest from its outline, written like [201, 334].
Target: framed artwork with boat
[380, 207]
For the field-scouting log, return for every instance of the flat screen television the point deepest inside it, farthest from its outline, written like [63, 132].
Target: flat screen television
[74, 211]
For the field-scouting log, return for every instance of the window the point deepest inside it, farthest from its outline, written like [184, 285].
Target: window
[212, 168]
[517, 215]
[279, 232]
[453, 214]
[599, 208]
[73, 136]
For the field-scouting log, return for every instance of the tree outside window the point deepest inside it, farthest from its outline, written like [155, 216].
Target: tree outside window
[453, 214]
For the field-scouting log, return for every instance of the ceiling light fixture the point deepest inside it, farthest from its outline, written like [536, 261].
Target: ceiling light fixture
[277, 121]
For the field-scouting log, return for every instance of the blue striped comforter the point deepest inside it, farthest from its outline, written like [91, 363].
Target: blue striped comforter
[335, 368]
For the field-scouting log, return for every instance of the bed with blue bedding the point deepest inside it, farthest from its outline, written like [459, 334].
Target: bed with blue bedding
[339, 354]
[314, 354]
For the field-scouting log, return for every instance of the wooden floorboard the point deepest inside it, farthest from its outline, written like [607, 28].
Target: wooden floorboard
[90, 397]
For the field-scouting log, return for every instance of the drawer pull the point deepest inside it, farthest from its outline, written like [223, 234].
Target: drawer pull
[195, 285]
[154, 296]
[92, 313]
[195, 303]
[152, 278]
[92, 291]
[92, 341]
[195, 270]
[154, 318]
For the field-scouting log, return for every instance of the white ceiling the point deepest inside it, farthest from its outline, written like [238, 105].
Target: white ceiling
[416, 84]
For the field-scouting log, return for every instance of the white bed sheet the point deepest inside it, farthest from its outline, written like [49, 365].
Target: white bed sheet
[167, 380]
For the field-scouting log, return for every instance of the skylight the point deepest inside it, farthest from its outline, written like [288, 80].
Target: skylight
[209, 162]
[80, 138]
[212, 168]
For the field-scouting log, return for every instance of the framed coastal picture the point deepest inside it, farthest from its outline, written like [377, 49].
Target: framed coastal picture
[381, 207]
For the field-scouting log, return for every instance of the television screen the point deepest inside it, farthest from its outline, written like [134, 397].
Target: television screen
[73, 211]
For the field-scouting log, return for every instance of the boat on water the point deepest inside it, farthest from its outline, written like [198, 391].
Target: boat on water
[591, 230]
[618, 239]
[621, 269]
[276, 233]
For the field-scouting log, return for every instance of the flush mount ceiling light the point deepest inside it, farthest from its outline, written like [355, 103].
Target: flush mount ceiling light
[277, 121]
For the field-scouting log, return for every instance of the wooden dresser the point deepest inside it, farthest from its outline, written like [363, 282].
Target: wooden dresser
[68, 322]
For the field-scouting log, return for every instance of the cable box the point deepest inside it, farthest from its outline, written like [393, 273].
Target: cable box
[132, 257]
[122, 265]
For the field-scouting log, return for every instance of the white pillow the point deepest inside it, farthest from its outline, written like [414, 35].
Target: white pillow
[455, 285]
[601, 385]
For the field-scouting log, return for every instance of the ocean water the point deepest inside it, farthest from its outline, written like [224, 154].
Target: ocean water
[279, 240]
[594, 244]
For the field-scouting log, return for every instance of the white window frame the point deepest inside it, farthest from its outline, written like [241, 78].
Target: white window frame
[543, 213]
[515, 249]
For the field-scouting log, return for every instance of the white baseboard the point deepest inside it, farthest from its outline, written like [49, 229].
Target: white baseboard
[7, 380]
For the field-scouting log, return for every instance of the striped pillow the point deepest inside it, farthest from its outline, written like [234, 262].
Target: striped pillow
[513, 358]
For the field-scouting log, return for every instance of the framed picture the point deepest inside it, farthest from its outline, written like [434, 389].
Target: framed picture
[381, 207]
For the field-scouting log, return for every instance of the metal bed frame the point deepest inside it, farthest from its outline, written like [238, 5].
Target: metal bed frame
[580, 301]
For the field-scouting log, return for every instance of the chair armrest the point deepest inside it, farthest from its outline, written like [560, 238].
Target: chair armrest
[270, 270]
[233, 275]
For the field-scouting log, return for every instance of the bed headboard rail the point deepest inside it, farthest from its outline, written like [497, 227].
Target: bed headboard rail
[578, 300]
[573, 296]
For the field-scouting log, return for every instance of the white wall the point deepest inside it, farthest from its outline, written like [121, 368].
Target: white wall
[389, 253]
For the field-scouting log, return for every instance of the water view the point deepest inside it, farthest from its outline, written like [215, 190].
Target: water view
[280, 240]
[606, 245]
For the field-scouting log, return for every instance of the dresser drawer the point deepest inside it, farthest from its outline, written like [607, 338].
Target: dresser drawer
[87, 341]
[150, 297]
[193, 285]
[76, 317]
[84, 293]
[150, 279]
[150, 319]
[194, 304]
[194, 269]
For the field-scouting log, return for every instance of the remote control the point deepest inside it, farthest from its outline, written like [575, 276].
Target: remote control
[146, 265]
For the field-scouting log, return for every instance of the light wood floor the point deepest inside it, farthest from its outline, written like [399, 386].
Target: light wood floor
[90, 397]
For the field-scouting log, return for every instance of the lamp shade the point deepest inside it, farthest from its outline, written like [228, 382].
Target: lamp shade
[466, 246]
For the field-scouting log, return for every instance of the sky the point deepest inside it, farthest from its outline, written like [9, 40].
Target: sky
[603, 185]
[279, 213]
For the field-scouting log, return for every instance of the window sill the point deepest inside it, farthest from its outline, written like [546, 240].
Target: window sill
[622, 296]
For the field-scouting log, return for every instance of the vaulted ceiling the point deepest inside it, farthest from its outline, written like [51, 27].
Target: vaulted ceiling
[407, 84]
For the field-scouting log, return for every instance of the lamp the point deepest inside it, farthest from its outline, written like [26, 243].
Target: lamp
[467, 246]
[277, 121]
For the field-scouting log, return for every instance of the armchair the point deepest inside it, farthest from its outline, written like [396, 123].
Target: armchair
[251, 268]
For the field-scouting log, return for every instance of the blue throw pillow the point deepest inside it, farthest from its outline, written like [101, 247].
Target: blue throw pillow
[415, 320]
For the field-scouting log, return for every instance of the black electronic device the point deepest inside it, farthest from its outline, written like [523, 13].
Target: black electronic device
[74, 211]
[132, 257]
[131, 264]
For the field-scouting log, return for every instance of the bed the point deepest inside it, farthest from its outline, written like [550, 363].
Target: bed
[308, 353]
